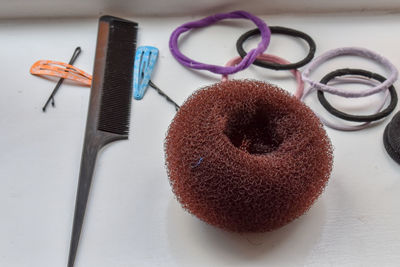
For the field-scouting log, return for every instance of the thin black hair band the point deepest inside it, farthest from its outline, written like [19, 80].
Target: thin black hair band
[357, 118]
[279, 30]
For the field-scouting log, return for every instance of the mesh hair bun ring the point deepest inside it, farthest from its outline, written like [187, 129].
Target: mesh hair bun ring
[391, 138]
[246, 156]
[246, 62]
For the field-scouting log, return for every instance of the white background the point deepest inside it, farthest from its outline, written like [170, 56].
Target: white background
[133, 218]
[79, 8]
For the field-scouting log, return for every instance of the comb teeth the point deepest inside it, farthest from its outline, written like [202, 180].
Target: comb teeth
[116, 96]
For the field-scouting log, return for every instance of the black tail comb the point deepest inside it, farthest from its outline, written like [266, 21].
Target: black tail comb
[109, 106]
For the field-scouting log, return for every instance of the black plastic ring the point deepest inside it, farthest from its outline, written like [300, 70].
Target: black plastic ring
[357, 118]
[278, 30]
[391, 138]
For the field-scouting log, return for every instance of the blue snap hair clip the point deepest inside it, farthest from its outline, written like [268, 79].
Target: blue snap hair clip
[145, 60]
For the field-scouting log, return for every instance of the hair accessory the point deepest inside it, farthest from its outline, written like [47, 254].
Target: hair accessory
[247, 60]
[145, 60]
[357, 118]
[72, 60]
[61, 70]
[160, 92]
[353, 79]
[275, 59]
[245, 156]
[391, 138]
[109, 106]
[278, 65]
[356, 51]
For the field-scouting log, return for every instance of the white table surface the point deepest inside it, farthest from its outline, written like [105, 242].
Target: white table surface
[132, 217]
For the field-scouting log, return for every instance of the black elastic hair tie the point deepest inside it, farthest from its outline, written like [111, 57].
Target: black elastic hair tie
[391, 138]
[357, 118]
[278, 30]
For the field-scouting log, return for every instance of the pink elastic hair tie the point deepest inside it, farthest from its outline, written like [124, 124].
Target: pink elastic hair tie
[355, 51]
[275, 59]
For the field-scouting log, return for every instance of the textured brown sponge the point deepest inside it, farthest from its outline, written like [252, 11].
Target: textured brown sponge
[246, 156]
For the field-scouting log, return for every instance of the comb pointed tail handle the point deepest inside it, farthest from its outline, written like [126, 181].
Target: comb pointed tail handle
[93, 143]
[88, 162]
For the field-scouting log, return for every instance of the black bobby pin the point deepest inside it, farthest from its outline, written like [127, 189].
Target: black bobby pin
[51, 97]
[159, 91]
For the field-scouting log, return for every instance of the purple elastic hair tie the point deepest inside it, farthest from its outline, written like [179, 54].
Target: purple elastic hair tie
[356, 51]
[247, 60]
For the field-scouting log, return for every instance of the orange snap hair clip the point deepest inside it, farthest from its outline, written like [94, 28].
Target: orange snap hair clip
[61, 70]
